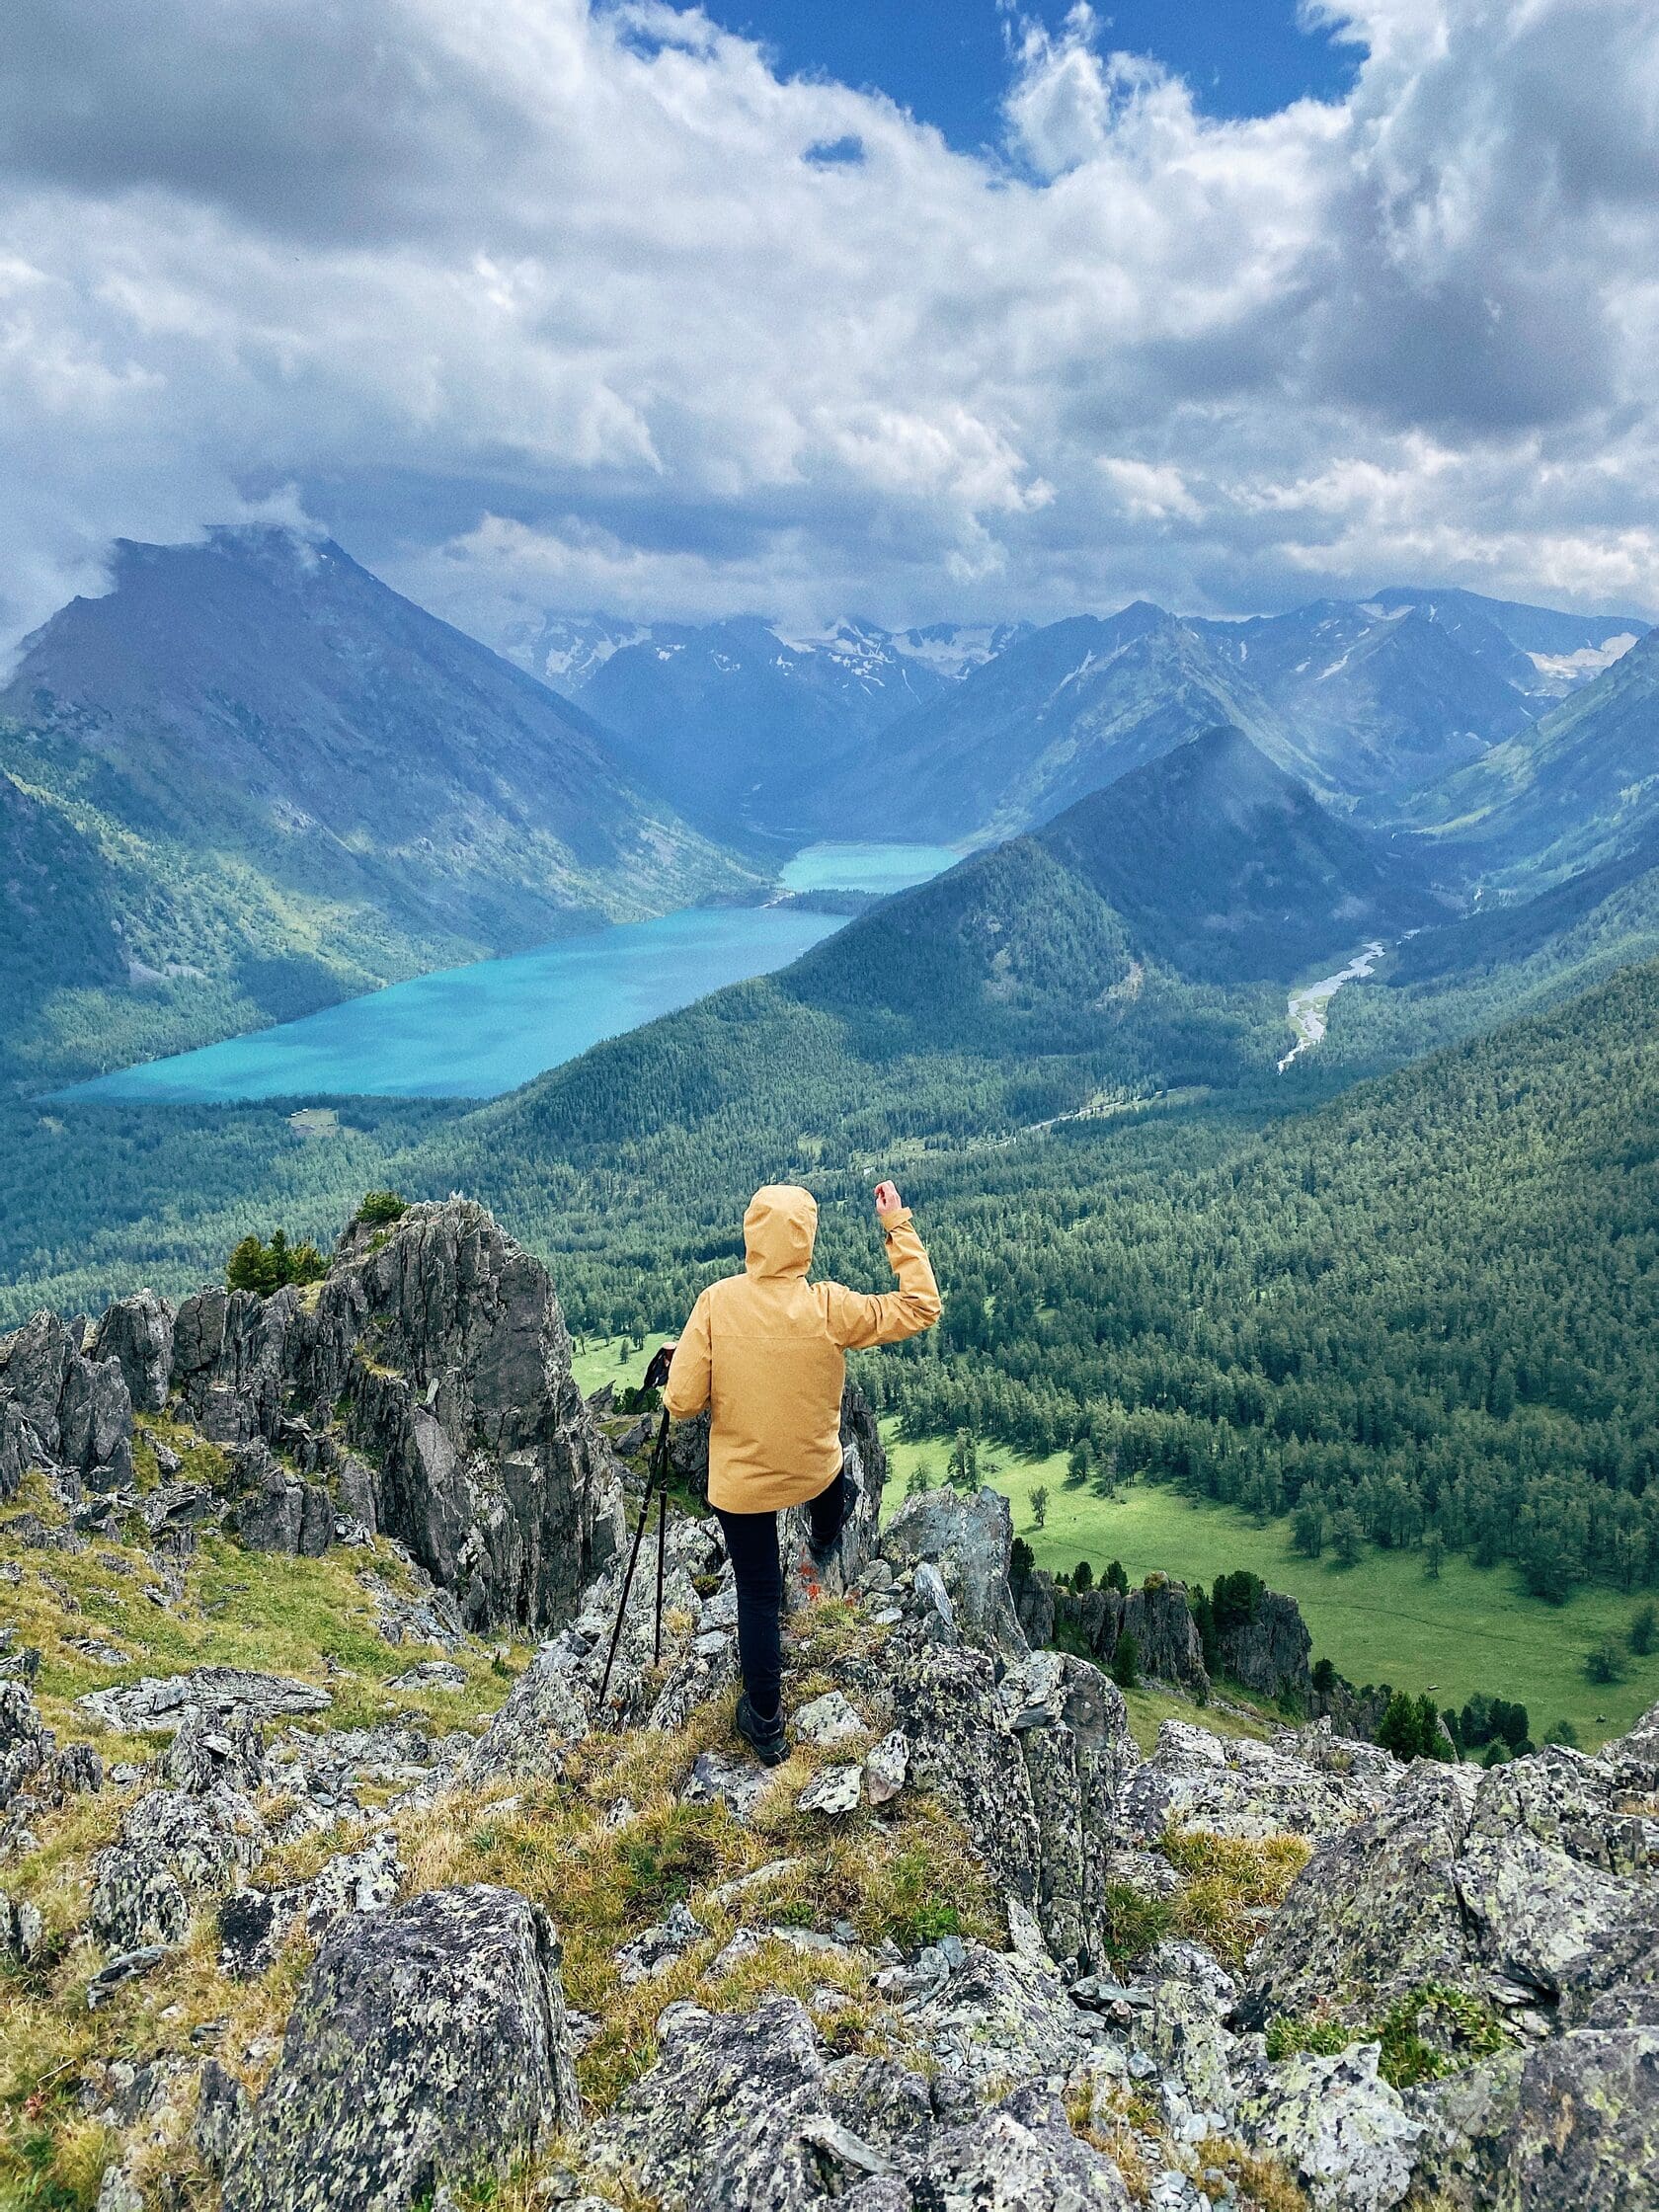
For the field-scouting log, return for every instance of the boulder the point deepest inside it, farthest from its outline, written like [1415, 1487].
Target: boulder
[206, 1754]
[1569, 2126]
[543, 1714]
[427, 2045]
[1376, 1913]
[1340, 2129]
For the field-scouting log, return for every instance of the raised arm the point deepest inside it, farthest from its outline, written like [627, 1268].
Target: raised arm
[858, 1319]
[687, 1389]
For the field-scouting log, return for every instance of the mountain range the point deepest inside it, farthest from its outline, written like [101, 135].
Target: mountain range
[293, 783]
[735, 720]
[978, 734]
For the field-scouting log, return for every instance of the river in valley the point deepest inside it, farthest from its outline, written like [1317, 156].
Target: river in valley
[474, 1032]
[1309, 1008]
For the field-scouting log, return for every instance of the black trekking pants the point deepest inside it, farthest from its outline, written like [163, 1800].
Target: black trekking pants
[752, 1545]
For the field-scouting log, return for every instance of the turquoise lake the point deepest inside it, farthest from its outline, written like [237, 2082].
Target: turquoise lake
[857, 867]
[474, 1032]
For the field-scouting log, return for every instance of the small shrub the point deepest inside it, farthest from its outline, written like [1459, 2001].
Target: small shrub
[1606, 1663]
[380, 1209]
[1644, 1630]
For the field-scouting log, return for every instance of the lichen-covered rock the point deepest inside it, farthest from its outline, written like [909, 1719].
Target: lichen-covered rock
[1530, 1884]
[543, 1714]
[427, 2045]
[1569, 2126]
[1376, 1913]
[1341, 2129]
[172, 1847]
[746, 2113]
[1073, 1733]
[969, 1541]
[161, 1702]
[994, 2018]
[1235, 1786]
[945, 1701]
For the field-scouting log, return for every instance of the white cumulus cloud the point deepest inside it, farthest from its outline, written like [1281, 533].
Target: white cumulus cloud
[541, 303]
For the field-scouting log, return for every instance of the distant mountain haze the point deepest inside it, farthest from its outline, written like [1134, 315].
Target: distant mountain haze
[739, 722]
[1367, 702]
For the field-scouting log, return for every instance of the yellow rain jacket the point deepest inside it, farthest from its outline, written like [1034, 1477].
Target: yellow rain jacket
[763, 1351]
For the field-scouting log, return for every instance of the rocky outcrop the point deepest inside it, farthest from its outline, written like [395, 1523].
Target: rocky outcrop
[137, 1334]
[436, 1353]
[1269, 1653]
[968, 1540]
[428, 2044]
[1157, 1615]
[1236, 1787]
[61, 1411]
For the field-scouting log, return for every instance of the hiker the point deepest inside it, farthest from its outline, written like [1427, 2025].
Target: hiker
[763, 1350]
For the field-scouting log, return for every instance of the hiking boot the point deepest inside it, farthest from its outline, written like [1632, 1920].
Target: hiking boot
[767, 1739]
[820, 1554]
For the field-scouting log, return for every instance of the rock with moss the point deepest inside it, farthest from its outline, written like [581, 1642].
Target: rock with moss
[427, 2045]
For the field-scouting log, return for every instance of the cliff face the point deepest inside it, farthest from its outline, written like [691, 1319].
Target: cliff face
[970, 1949]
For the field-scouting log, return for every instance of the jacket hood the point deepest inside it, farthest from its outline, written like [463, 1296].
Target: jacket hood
[779, 1229]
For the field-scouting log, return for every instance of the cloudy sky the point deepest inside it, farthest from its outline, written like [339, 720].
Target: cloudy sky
[541, 305]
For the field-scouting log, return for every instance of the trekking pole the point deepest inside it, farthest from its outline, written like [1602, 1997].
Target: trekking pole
[657, 1479]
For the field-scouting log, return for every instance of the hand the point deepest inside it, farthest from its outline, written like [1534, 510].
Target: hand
[887, 1200]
